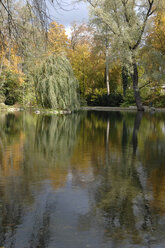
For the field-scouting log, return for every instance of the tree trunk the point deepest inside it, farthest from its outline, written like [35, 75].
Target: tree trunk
[107, 68]
[135, 79]
[124, 79]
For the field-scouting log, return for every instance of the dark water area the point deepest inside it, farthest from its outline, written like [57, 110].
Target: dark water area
[95, 179]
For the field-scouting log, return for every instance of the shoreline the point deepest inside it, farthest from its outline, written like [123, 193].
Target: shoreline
[126, 109]
[11, 109]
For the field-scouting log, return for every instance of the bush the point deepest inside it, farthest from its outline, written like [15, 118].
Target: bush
[56, 86]
[10, 87]
[102, 99]
[159, 102]
[28, 97]
[2, 97]
[129, 99]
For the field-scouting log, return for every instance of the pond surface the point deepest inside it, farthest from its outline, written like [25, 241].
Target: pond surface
[95, 179]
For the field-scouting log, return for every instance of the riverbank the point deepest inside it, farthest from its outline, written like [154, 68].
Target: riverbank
[15, 108]
[130, 108]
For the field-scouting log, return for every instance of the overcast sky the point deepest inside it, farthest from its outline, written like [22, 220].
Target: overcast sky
[72, 13]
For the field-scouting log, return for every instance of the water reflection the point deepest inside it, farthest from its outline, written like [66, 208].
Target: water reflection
[85, 180]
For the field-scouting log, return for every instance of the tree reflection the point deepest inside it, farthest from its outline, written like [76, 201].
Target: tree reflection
[33, 150]
[124, 194]
[114, 160]
[137, 123]
[55, 136]
[119, 153]
[11, 205]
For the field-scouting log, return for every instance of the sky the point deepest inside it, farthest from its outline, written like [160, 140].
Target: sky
[77, 12]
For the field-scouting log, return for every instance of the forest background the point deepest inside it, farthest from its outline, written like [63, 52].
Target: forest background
[41, 66]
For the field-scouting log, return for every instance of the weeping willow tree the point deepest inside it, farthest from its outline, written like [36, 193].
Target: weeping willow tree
[56, 85]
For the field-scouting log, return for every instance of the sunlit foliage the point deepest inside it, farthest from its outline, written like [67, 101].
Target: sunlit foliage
[57, 38]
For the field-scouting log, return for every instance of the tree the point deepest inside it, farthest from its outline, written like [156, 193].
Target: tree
[57, 38]
[39, 8]
[87, 62]
[157, 35]
[127, 20]
[56, 86]
[124, 79]
[87, 55]
[102, 35]
[81, 34]
[152, 57]
[18, 55]
[25, 40]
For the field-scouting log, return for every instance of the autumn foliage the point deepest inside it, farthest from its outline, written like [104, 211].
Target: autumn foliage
[86, 50]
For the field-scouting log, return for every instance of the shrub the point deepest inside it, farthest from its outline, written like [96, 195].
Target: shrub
[28, 97]
[159, 102]
[99, 98]
[129, 99]
[10, 87]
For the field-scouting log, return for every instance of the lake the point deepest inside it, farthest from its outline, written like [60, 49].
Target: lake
[91, 179]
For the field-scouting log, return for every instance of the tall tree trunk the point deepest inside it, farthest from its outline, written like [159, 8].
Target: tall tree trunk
[124, 79]
[135, 80]
[107, 68]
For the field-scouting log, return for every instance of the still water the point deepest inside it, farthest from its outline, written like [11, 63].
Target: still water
[95, 179]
